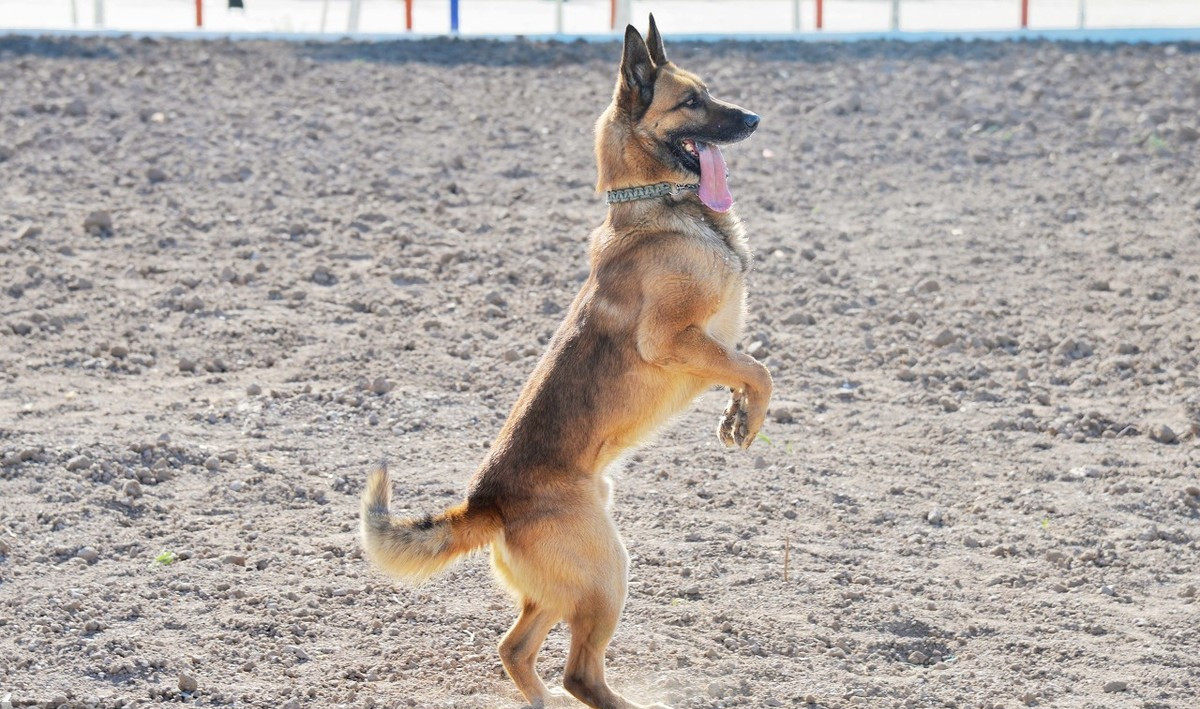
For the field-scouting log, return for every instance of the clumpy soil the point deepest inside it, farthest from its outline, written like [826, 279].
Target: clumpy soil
[235, 274]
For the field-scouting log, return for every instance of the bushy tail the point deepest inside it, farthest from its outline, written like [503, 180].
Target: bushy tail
[415, 549]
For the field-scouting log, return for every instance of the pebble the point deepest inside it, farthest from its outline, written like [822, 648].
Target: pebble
[213, 463]
[799, 317]
[381, 386]
[929, 286]
[1115, 685]
[88, 554]
[917, 657]
[132, 489]
[187, 683]
[6, 152]
[77, 107]
[98, 223]
[322, 276]
[234, 559]
[79, 462]
[948, 404]
[187, 365]
[156, 175]
[943, 338]
[782, 414]
[119, 351]
[1162, 433]
[253, 390]
[935, 517]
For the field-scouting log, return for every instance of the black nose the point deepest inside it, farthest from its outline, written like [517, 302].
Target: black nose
[751, 120]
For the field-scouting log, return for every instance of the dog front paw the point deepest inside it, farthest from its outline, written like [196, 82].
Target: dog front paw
[733, 428]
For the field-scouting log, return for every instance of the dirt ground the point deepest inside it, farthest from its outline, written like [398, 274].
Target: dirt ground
[235, 274]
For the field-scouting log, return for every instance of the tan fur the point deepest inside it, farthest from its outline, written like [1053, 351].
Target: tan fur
[654, 325]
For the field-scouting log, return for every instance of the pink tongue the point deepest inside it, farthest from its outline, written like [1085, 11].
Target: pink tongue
[714, 193]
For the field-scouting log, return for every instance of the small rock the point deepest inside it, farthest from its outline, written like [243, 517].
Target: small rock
[935, 517]
[213, 463]
[76, 107]
[322, 276]
[187, 365]
[187, 683]
[155, 175]
[948, 404]
[928, 286]
[132, 489]
[237, 485]
[6, 152]
[783, 415]
[119, 351]
[1188, 134]
[98, 223]
[253, 390]
[942, 338]
[1163, 434]
[381, 386]
[799, 317]
[79, 462]
[88, 554]
[1100, 285]
[234, 559]
[917, 657]
[1115, 685]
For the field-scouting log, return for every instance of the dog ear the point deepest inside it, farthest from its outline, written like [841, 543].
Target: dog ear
[655, 44]
[635, 90]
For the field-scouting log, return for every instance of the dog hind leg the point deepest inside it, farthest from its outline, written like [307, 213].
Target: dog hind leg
[591, 630]
[519, 651]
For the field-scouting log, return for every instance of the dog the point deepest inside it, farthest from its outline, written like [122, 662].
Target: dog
[654, 325]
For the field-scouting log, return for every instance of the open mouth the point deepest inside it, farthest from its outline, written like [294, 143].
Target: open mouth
[706, 160]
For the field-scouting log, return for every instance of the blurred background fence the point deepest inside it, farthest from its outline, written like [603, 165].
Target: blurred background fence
[592, 17]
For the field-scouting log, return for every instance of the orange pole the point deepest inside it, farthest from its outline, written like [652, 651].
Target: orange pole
[1024, 14]
[820, 14]
[408, 15]
[612, 15]
[199, 14]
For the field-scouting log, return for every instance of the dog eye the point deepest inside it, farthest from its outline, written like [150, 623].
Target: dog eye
[692, 102]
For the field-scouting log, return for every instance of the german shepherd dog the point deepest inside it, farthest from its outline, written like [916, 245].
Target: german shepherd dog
[654, 325]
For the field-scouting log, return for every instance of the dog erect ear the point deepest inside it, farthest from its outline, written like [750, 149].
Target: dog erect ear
[636, 90]
[655, 44]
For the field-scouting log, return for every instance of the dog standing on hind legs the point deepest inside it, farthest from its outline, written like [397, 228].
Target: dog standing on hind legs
[654, 325]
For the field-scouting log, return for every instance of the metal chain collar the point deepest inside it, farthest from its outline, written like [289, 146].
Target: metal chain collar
[632, 194]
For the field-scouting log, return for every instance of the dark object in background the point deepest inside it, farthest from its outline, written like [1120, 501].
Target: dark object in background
[237, 3]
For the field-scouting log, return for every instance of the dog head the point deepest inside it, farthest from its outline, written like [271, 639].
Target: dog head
[664, 126]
